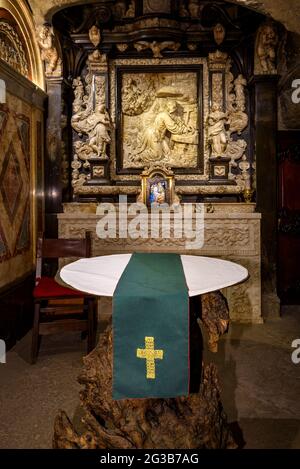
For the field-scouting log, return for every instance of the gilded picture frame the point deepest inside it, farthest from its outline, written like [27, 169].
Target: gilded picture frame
[157, 188]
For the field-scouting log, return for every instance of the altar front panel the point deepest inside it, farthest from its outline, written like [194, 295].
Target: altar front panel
[231, 231]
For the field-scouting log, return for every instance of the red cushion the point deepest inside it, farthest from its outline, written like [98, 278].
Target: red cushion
[48, 287]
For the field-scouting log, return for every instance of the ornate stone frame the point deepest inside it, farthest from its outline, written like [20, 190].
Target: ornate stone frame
[160, 69]
[200, 173]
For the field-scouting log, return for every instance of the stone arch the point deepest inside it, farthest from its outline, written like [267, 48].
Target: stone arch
[286, 12]
[22, 16]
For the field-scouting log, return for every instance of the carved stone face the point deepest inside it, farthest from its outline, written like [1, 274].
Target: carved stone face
[171, 106]
[269, 37]
[94, 35]
[45, 31]
[219, 33]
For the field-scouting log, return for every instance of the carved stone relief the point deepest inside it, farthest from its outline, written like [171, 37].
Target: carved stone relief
[130, 13]
[219, 33]
[91, 122]
[95, 35]
[12, 50]
[90, 118]
[223, 125]
[265, 49]
[193, 7]
[156, 47]
[149, 63]
[160, 121]
[49, 52]
[156, 6]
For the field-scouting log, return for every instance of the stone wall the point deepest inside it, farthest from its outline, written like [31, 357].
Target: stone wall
[21, 123]
[289, 70]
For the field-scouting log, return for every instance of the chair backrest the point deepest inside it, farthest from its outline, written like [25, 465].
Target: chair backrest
[50, 248]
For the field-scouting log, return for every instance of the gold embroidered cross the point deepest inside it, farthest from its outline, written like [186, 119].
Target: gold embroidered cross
[150, 354]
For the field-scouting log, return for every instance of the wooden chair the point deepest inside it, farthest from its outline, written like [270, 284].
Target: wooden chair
[57, 307]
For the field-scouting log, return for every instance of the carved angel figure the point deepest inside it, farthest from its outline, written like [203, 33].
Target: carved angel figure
[130, 13]
[239, 83]
[217, 136]
[48, 51]
[156, 47]
[266, 42]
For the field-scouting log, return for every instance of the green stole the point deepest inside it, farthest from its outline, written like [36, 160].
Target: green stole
[151, 329]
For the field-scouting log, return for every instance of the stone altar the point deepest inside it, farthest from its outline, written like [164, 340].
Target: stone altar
[231, 232]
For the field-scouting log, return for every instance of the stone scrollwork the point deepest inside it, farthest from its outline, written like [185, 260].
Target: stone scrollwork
[49, 52]
[12, 50]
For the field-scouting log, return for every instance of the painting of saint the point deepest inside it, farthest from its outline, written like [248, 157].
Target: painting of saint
[157, 193]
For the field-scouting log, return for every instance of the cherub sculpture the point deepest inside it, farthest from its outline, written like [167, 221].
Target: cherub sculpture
[266, 42]
[49, 52]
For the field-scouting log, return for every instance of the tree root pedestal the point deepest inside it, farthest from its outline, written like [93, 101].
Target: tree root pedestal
[193, 422]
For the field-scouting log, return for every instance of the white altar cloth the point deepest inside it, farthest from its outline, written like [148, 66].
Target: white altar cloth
[100, 275]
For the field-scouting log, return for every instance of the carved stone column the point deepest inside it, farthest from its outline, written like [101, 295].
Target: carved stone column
[53, 185]
[265, 132]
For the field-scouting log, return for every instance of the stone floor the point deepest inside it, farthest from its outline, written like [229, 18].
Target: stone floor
[260, 385]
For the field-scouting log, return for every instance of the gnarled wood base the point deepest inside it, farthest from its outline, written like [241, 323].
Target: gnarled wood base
[196, 421]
